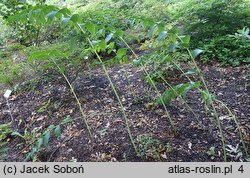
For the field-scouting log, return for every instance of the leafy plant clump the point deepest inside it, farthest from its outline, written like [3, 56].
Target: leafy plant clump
[5, 131]
[229, 49]
[207, 19]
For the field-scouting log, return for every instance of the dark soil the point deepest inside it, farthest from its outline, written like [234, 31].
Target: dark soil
[111, 141]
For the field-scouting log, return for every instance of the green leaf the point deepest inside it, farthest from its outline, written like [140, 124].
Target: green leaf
[186, 39]
[65, 21]
[137, 62]
[173, 46]
[207, 97]
[39, 143]
[174, 92]
[102, 44]
[66, 12]
[161, 27]
[196, 52]
[75, 18]
[16, 134]
[167, 59]
[162, 35]
[111, 45]
[151, 31]
[51, 16]
[58, 132]
[119, 33]
[108, 38]
[91, 28]
[125, 59]
[52, 126]
[174, 31]
[189, 72]
[46, 138]
[121, 52]
[66, 120]
[39, 55]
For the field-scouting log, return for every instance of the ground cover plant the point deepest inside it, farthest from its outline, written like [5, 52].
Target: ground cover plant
[110, 81]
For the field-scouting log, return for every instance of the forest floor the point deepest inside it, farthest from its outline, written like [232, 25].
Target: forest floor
[150, 128]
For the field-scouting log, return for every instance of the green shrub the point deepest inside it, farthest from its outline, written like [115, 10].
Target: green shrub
[15, 47]
[11, 72]
[5, 32]
[228, 49]
[207, 19]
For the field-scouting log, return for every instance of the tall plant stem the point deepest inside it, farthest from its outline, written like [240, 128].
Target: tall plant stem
[212, 103]
[229, 111]
[37, 36]
[237, 125]
[76, 98]
[117, 96]
[154, 86]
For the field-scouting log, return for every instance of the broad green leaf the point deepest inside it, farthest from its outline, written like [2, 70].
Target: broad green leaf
[125, 59]
[108, 38]
[196, 52]
[75, 18]
[167, 59]
[161, 27]
[91, 28]
[186, 39]
[39, 55]
[207, 97]
[119, 33]
[66, 12]
[178, 90]
[51, 16]
[151, 31]
[102, 44]
[148, 23]
[137, 62]
[162, 35]
[46, 137]
[111, 45]
[52, 126]
[65, 21]
[174, 31]
[66, 120]
[58, 132]
[173, 46]
[39, 143]
[121, 52]
[62, 69]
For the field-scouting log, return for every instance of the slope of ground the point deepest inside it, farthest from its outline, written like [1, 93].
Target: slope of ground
[149, 126]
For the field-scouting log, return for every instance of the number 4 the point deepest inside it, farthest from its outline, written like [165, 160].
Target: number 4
[241, 169]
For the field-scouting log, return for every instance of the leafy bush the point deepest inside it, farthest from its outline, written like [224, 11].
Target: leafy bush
[206, 19]
[11, 72]
[5, 32]
[228, 49]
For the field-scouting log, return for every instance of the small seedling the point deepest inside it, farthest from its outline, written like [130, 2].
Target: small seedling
[211, 152]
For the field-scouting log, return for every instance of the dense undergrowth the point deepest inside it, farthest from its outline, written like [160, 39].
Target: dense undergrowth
[66, 40]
